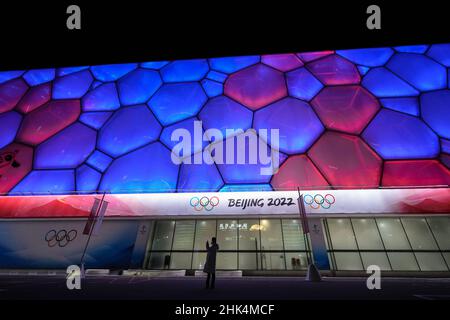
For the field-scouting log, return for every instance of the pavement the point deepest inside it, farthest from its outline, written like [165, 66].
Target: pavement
[243, 288]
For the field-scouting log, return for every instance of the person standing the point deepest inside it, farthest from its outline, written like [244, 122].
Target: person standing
[210, 264]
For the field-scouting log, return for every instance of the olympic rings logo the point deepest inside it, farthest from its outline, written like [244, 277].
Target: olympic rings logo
[318, 201]
[204, 203]
[60, 238]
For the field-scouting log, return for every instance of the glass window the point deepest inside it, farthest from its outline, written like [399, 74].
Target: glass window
[226, 260]
[367, 234]
[272, 261]
[159, 260]
[163, 235]
[296, 261]
[447, 257]
[431, 261]
[271, 237]
[293, 234]
[394, 237]
[249, 261]
[205, 230]
[375, 258]
[184, 235]
[441, 230]
[403, 261]
[227, 234]
[348, 261]
[180, 260]
[249, 234]
[198, 260]
[341, 234]
[419, 234]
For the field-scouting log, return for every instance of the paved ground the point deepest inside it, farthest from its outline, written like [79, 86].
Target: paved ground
[190, 288]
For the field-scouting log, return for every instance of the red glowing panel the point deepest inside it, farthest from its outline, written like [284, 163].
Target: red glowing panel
[415, 173]
[311, 56]
[282, 62]
[298, 171]
[34, 98]
[10, 94]
[44, 122]
[334, 70]
[15, 163]
[345, 108]
[346, 161]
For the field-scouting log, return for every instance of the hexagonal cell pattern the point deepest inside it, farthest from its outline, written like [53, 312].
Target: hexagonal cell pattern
[282, 62]
[302, 84]
[334, 70]
[415, 173]
[10, 94]
[34, 98]
[435, 107]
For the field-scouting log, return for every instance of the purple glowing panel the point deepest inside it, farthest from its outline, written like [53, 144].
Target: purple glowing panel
[37, 77]
[383, 84]
[10, 94]
[46, 182]
[9, 124]
[232, 64]
[72, 86]
[112, 72]
[99, 160]
[405, 105]
[95, 119]
[334, 70]
[102, 98]
[435, 107]
[372, 57]
[282, 62]
[445, 146]
[87, 179]
[302, 84]
[212, 88]
[199, 177]
[138, 86]
[34, 98]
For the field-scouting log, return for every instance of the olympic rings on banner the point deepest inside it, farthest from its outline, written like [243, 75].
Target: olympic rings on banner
[319, 201]
[60, 238]
[204, 203]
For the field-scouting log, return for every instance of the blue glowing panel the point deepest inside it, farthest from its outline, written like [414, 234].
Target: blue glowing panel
[440, 53]
[302, 84]
[383, 83]
[9, 75]
[128, 129]
[9, 124]
[177, 101]
[216, 76]
[99, 160]
[87, 179]
[363, 70]
[246, 187]
[223, 113]
[406, 105]
[156, 65]
[435, 107]
[412, 49]
[96, 84]
[188, 70]
[394, 135]
[193, 130]
[418, 70]
[36, 77]
[138, 86]
[67, 149]
[199, 177]
[372, 57]
[72, 86]
[95, 119]
[65, 71]
[112, 72]
[46, 182]
[296, 121]
[212, 88]
[149, 169]
[445, 146]
[232, 64]
[102, 98]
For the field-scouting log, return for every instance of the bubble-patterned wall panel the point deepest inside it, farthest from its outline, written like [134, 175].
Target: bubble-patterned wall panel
[360, 118]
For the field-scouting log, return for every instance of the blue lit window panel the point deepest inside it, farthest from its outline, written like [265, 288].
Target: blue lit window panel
[420, 71]
[246, 187]
[9, 124]
[435, 107]
[296, 121]
[302, 84]
[177, 101]
[440, 53]
[149, 169]
[232, 64]
[212, 88]
[383, 84]
[95, 119]
[87, 179]
[112, 72]
[102, 98]
[67, 149]
[395, 135]
[99, 160]
[186, 70]
[46, 182]
[156, 65]
[223, 113]
[445, 146]
[194, 127]
[372, 57]
[217, 76]
[129, 128]
[138, 86]
[72, 86]
[412, 49]
[363, 70]
[409, 105]
[202, 177]
[9, 75]
[96, 84]
[39, 76]
[65, 71]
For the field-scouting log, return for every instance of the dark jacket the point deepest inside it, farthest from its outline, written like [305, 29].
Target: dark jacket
[210, 264]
